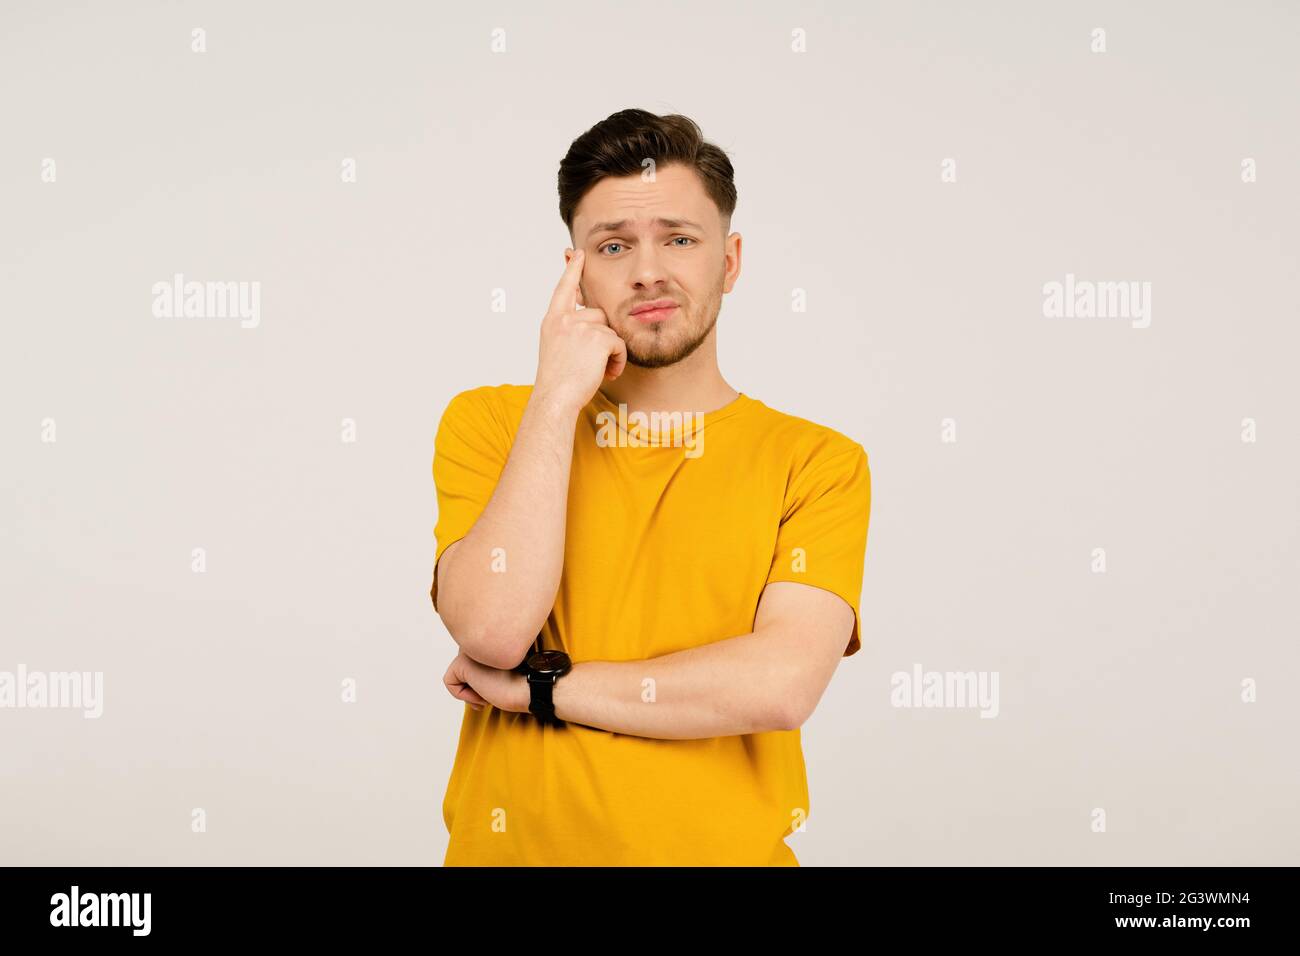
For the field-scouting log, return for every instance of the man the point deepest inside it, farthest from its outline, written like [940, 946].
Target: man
[697, 555]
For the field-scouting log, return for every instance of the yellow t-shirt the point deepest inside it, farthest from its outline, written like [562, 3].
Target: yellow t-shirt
[668, 546]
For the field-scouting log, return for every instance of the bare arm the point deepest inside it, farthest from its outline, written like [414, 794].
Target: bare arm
[493, 615]
[770, 679]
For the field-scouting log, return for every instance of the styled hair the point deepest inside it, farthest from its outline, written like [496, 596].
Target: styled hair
[621, 143]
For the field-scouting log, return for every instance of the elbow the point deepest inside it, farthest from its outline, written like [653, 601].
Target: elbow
[493, 653]
[499, 643]
[491, 628]
[789, 721]
[502, 648]
[793, 711]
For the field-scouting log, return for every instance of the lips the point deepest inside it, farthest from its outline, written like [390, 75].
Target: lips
[654, 311]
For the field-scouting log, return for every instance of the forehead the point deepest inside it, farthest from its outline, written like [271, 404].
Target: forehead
[675, 192]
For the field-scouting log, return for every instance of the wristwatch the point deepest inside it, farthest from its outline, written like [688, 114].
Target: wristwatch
[543, 669]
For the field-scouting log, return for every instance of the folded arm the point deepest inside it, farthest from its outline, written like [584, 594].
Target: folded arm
[494, 616]
[770, 679]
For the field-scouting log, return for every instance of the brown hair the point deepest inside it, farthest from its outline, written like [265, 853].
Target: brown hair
[619, 144]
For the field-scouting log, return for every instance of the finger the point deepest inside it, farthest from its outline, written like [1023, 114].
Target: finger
[617, 358]
[565, 298]
[452, 680]
[462, 691]
[592, 316]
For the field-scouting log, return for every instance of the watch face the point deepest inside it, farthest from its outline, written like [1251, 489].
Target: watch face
[549, 662]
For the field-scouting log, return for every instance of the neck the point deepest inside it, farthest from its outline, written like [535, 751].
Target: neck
[694, 384]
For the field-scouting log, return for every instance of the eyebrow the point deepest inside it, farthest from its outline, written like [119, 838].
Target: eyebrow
[661, 222]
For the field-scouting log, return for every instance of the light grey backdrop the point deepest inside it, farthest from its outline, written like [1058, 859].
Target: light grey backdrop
[1119, 691]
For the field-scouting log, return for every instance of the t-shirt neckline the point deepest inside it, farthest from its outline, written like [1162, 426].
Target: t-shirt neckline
[602, 403]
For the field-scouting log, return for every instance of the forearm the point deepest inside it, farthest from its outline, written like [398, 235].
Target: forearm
[740, 685]
[498, 584]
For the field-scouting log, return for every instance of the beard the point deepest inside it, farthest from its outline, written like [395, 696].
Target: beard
[667, 343]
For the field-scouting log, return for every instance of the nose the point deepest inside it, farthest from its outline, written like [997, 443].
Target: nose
[648, 270]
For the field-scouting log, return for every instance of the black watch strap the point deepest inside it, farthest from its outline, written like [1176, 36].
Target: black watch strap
[542, 669]
[541, 701]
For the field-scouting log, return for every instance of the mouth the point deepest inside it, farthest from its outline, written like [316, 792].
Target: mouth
[655, 311]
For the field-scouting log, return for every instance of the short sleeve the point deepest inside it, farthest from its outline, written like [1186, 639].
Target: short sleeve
[470, 452]
[822, 540]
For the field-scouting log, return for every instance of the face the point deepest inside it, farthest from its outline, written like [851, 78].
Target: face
[648, 241]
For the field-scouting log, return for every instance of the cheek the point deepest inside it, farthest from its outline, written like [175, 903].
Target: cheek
[593, 289]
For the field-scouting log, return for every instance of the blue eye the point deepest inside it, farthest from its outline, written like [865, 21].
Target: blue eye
[675, 238]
